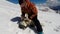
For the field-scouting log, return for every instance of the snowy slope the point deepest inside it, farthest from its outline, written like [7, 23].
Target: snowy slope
[50, 20]
[7, 12]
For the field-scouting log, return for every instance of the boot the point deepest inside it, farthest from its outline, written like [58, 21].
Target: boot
[40, 32]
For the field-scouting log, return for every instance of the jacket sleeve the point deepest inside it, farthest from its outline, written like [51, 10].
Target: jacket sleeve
[34, 10]
[22, 13]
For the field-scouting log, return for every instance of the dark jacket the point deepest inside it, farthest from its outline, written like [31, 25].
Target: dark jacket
[30, 9]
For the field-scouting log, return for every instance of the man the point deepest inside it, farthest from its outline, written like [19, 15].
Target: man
[31, 10]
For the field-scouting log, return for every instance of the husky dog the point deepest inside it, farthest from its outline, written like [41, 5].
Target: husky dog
[26, 22]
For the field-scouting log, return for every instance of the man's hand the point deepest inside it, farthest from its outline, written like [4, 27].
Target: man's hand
[22, 18]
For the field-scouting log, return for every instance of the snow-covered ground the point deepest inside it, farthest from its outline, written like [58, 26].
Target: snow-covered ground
[49, 19]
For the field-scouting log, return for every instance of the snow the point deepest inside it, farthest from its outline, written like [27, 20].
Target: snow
[8, 11]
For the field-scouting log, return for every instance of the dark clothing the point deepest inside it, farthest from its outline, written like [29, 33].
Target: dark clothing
[37, 24]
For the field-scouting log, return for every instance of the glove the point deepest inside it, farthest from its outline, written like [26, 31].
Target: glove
[22, 18]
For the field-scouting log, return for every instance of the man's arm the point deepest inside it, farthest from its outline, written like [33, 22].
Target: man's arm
[34, 10]
[22, 15]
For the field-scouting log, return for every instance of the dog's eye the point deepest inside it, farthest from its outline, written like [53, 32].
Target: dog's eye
[26, 20]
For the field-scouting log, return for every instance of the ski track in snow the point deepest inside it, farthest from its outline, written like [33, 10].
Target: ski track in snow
[50, 21]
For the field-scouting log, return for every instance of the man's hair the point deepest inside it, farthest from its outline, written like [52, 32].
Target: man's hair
[20, 1]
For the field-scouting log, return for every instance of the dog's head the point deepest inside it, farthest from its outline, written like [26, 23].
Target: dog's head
[25, 23]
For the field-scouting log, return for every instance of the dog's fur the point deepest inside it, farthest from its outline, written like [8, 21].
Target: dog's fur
[25, 23]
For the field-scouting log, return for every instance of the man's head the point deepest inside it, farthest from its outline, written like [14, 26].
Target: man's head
[22, 1]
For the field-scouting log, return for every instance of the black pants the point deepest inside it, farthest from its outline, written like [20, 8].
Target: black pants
[37, 24]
